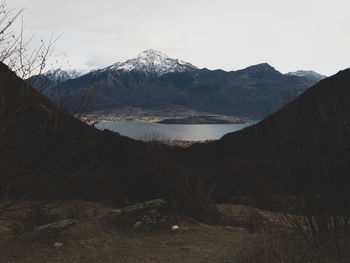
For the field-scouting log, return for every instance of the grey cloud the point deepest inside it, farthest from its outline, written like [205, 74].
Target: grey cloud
[228, 34]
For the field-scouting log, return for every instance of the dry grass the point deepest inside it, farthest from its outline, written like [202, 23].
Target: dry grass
[247, 234]
[93, 241]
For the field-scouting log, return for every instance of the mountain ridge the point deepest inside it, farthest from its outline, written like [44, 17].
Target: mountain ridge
[153, 80]
[310, 74]
[153, 61]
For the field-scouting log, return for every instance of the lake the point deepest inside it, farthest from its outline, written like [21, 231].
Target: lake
[192, 132]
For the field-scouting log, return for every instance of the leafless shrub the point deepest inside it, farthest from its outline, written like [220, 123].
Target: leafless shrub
[15, 50]
[192, 194]
[284, 243]
[322, 222]
[319, 218]
[27, 63]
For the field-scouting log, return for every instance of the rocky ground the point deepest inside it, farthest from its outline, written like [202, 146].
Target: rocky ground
[92, 232]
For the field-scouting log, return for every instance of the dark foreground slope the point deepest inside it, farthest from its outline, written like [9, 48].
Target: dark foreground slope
[46, 152]
[307, 143]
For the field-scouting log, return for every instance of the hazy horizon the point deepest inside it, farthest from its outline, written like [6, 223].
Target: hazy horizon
[228, 35]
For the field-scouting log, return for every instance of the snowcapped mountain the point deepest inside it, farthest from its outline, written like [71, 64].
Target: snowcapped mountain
[153, 62]
[154, 80]
[60, 75]
[76, 73]
[307, 74]
[149, 61]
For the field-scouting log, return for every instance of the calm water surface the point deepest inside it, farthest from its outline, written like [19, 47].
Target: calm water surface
[193, 132]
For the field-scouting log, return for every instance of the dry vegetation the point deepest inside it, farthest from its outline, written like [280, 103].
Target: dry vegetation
[91, 240]
[242, 234]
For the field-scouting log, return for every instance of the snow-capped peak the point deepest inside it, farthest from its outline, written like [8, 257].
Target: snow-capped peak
[151, 53]
[153, 61]
[61, 75]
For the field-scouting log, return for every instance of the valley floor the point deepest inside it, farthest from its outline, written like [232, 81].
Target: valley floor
[91, 240]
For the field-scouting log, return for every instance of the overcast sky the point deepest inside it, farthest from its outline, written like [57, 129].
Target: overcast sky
[226, 34]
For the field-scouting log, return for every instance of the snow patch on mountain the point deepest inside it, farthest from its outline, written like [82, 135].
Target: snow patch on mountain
[307, 74]
[60, 75]
[153, 62]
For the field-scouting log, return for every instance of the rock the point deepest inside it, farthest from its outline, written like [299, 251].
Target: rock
[57, 245]
[116, 211]
[175, 228]
[151, 217]
[146, 212]
[148, 205]
[59, 224]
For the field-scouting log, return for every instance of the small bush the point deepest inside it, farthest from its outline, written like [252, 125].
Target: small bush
[287, 247]
[192, 195]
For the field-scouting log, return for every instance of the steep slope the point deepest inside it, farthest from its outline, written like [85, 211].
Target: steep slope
[152, 80]
[46, 152]
[307, 141]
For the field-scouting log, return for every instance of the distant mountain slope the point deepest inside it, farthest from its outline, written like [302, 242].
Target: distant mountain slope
[307, 74]
[153, 80]
[61, 75]
[306, 141]
[45, 82]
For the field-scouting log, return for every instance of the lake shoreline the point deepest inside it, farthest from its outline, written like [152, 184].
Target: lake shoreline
[203, 119]
[193, 120]
[175, 115]
[150, 131]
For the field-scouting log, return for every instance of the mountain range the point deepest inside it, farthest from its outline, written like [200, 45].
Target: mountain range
[152, 80]
[61, 75]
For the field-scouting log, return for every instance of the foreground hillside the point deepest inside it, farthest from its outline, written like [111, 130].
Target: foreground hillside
[46, 151]
[307, 140]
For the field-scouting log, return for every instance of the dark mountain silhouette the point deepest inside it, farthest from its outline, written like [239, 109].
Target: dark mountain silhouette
[46, 152]
[305, 143]
[155, 81]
